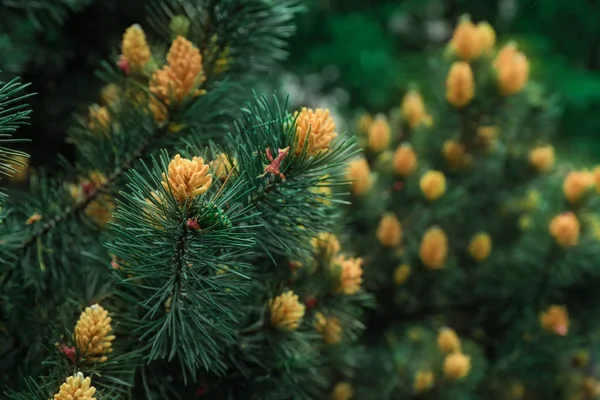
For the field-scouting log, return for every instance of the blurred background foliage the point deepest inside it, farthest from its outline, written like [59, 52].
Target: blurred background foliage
[348, 54]
[361, 54]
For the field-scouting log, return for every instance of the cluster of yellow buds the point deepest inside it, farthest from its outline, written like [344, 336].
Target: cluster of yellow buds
[480, 247]
[187, 179]
[565, 229]
[512, 68]
[330, 328]
[286, 311]
[434, 248]
[92, 334]
[349, 274]
[379, 134]
[433, 185]
[413, 110]
[315, 129]
[555, 320]
[405, 160]
[576, 184]
[359, 173]
[389, 231]
[470, 41]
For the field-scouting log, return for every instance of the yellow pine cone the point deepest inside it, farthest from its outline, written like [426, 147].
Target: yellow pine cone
[350, 274]
[512, 68]
[434, 248]
[359, 173]
[110, 94]
[405, 160]
[576, 184]
[487, 36]
[187, 179]
[423, 381]
[364, 122]
[99, 119]
[454, 153]
[286, 311]
[379, 134]
[433, 185]
[182, 76]
[76, 388]
[456, 366]
[542, 158]
[401, 274]
[134, 48]
[565, 229]
[342, 391]
[413, 109]
[460, 84]
[327, 244]
[315, 129]
[222, 166]
[389, 231]
[480, 246]
[467, 40]
[448, 341]
[101, 210]
[92, 334]
[330, 328]
[555, 320]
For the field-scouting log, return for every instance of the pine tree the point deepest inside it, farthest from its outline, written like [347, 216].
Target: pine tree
[481, 252]
[175, 259]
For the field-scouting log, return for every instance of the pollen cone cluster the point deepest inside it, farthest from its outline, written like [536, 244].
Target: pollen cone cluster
[181, 76]
[286, 311]
[76, 388]
[92, 334]
[187, 179]
[315, 129]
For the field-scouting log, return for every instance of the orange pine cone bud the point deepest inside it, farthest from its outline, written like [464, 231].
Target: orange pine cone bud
[467, 40]
[413, 109]
[401, 274]
[350, 274]
[460, 84]
[576, 184]
[359, 173]
[92, 334]
[182, 76]
[405, 160]
[487, 36]
[134, 48]
[512, 68]
[596, 174]
[434, 248]
[327, 244]
[99, 119]
[423, 381]
[379, 134]
[342, 391]
[286, 311]
[364, 122]
[555, 319]
[565, 229]
[433, 185]
[389, 231]
[76, 387]
[315, 129]
[454, 153]
[480, 247]
[456, 366]
[330, 328]
[542, 158]
[187, 178]
[448, 341]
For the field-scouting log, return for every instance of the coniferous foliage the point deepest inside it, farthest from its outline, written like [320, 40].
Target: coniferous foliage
[477, 246]
[174, 259]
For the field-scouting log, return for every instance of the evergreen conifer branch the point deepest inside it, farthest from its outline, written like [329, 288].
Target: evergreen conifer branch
[72, 216]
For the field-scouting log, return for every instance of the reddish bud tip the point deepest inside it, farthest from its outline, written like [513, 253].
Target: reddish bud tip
[68, 351]
[123, 65]
[193, 224]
